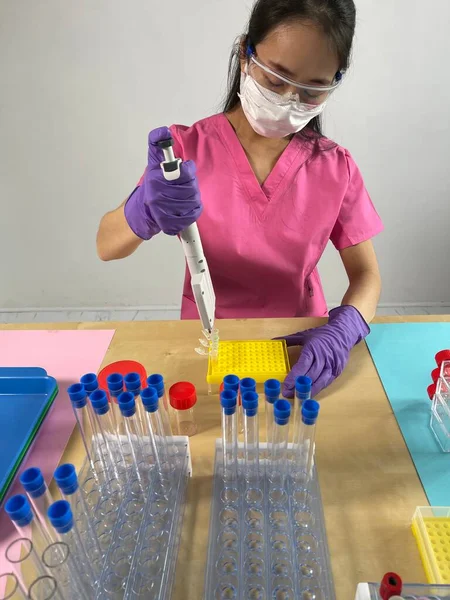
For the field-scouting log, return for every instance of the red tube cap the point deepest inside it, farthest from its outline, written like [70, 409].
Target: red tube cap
[441, 356]
[391, 585]
[431, 389]
[182, 395]
[435, 374]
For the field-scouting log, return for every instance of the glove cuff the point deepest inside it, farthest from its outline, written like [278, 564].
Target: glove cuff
[138, 216]
[351, 319]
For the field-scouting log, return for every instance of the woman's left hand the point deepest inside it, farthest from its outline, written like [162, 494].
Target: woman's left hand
[325, 349]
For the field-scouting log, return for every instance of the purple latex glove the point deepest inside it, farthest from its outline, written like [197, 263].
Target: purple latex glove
[326, 349]
[161, 205]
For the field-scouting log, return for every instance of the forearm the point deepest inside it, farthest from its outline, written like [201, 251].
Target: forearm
[115, 239]
[364, 293]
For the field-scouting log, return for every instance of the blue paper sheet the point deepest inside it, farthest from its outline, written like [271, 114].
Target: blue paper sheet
[403, 354]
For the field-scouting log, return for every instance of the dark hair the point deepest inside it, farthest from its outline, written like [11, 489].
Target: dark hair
[335, 17]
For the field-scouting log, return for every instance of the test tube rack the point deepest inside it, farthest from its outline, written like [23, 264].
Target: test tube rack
[266, 548]
[138, 533]
[431, 528]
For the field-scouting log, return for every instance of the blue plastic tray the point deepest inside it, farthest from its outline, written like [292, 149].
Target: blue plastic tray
[26, 395]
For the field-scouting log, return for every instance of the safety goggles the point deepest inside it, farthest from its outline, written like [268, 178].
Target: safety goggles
[292, 90]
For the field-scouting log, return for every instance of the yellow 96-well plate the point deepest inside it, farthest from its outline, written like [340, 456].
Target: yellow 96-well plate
[260, 359]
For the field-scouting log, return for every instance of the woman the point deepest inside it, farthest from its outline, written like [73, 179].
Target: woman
[274, 190]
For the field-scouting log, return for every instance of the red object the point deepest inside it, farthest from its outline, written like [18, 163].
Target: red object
[391, 585]
[431, 389]
[182, 395]
[221, 388]
[435, 374]
[441, 356]
[123, 367]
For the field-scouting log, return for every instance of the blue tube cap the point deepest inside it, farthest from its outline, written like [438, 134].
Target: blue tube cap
[310, 411]
[303, 385]
[272, 390]
[156, 381]
[90, 382]
[132, 383]
[231, 382]
[250, 403]
[150, 399]
[60, 516]
[33, 482]
[127, 404]
[115, 384]
[19, 510]
[228, 401]
[248, 384]
[66, 478]
[281, 412]
[77, 395]
[99, 401]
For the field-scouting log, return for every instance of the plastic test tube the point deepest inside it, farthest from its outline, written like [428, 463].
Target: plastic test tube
[303, 450]
[251, 439]
[231, 382]
[156, 381]
[67, 481]
[272, 390]
[303, 386]
[127, 405]
[247, 384]
[183, 397]
[228, 400]
[115, 388]
[19, 511]
[277, 462]
[157, 438]
[10, 588]
[61, 517]
[107, 432]
[132, 383]
[85, 419]
[90, 383]
[23, 557]
[59, 561]
[39, 496]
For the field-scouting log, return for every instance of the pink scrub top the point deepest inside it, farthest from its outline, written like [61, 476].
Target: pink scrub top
[263, 242]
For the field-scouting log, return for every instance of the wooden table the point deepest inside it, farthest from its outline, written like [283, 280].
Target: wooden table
[369, 484]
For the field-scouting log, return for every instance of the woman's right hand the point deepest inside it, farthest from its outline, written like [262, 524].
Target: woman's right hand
[161, 205]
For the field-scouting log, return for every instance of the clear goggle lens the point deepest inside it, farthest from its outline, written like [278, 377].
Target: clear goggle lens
[277, 85]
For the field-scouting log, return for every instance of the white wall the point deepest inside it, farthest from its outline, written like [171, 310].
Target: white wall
[81, 83]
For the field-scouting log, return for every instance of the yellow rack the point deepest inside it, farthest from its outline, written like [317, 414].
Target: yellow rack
[431, 528]
[260, 359]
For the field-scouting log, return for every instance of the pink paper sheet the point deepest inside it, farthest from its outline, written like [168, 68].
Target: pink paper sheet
[65, 355]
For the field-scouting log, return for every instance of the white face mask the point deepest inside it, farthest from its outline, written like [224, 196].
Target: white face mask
[272, 115]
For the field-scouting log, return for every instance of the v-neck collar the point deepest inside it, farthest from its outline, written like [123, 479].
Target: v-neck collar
[296, 154]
